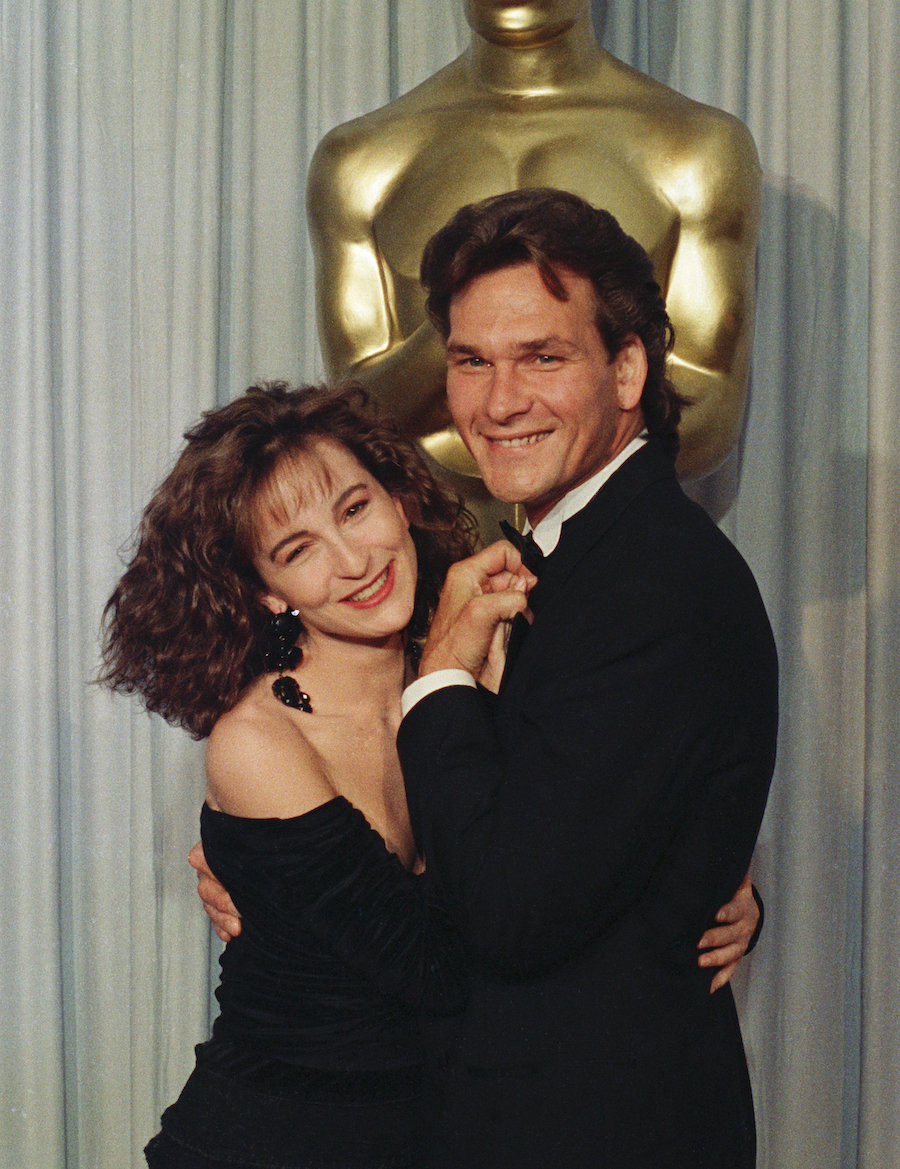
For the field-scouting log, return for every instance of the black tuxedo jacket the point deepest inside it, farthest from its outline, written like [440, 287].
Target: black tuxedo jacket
[584, 827]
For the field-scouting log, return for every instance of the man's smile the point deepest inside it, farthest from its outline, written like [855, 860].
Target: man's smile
[520, 441]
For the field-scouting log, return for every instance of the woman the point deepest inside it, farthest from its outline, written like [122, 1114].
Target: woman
[282, 572]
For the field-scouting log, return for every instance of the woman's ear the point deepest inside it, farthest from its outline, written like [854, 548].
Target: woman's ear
[631, 373]
[269, 601]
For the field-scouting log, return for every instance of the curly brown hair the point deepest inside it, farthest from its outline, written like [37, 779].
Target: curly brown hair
[551, 229]
[184, 627]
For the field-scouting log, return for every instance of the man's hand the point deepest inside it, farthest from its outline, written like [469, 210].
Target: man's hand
[220, 908]
[725, 944]
[479, 594]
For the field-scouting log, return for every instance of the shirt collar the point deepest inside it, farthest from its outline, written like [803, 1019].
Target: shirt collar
[548, 530]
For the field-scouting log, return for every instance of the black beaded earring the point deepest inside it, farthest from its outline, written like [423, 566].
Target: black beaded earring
[282, 653]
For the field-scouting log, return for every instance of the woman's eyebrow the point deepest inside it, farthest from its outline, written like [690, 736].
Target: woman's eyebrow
[301, 532]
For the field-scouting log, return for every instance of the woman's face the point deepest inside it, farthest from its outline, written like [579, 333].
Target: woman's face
[332, 544]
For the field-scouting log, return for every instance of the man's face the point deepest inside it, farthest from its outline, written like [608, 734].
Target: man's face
[531, 388]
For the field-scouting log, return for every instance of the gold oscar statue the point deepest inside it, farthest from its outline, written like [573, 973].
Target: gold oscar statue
[535, 101]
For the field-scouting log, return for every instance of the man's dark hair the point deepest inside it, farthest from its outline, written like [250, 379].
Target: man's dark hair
[555, 229]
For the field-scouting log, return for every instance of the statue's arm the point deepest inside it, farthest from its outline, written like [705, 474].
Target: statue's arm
[710, 293]
[359, 330]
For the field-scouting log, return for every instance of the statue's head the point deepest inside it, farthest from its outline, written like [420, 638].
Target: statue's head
[516, 21]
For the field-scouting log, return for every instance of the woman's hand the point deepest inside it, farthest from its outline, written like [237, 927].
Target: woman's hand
[495, 662]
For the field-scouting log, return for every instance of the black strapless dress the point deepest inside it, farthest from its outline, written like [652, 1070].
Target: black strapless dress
[315, 1060]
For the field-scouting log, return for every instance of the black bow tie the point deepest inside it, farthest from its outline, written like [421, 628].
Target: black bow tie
[532, 556]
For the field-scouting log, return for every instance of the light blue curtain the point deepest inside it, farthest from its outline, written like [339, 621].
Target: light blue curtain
[155, 262]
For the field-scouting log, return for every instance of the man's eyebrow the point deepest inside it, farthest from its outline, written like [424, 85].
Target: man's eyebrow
[545, 344]
[538, 345]
[460, 347]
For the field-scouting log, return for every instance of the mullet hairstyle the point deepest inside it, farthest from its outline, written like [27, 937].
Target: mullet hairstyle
[556, 229]
[184, 627]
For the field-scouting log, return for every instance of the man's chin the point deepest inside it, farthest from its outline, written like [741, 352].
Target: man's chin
[505, 492]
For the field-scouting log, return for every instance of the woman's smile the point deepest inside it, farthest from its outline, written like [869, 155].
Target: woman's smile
[374, 592]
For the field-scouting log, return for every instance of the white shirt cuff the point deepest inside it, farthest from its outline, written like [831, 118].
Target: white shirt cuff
[428, 683]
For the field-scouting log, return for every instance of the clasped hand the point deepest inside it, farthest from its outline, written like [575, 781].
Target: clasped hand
[478, 602]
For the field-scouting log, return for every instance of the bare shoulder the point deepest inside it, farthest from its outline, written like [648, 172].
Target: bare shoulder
[259, 764]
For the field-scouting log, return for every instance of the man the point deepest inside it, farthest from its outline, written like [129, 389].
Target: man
[535, 100]
[584, 824]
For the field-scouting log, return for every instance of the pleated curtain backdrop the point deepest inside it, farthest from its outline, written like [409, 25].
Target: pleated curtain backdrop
[155, 262]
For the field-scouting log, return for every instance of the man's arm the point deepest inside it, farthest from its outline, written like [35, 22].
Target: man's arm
[220, 909]
[725, 944]
[632, 761]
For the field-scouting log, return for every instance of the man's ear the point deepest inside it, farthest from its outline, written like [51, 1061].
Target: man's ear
[631, 373]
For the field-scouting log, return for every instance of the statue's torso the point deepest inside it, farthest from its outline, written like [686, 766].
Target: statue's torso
[668, 168]
[446, 144]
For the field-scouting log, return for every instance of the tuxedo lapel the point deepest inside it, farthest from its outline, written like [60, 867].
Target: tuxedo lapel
[584, 529]
[517, 635]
